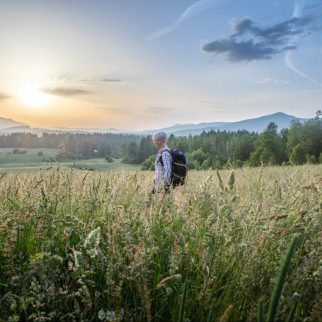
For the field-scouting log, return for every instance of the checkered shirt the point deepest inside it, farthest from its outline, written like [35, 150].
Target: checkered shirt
[163, 173]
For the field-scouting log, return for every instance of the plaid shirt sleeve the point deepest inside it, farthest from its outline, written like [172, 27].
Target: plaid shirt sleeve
[166, 173]
[163, 173]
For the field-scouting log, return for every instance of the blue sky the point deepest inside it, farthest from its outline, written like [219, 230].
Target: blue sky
[150, 64]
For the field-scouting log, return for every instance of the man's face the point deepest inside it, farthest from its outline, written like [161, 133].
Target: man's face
[159, 143]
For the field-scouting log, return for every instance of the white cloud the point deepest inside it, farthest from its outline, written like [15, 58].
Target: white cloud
[298, 7]
[264, 81]
[191, 11]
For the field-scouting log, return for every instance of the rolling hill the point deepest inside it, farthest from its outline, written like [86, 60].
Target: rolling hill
[8, 123]
[258, 124]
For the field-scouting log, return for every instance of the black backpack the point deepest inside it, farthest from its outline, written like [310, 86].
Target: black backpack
[179, 167]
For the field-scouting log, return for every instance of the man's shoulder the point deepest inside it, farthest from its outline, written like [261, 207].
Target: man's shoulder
[165, 150]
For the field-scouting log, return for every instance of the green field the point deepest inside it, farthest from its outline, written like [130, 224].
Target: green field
[31, 161]
[79, 245]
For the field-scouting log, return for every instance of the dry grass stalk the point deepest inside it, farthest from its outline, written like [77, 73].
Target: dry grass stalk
[163, 282]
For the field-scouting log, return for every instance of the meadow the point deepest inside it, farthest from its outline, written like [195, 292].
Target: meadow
[38, 159]
[79, 245]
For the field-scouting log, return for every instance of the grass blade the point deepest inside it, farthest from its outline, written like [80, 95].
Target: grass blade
[260, 313]
[183, 301]
[280, 281]
[211, 315]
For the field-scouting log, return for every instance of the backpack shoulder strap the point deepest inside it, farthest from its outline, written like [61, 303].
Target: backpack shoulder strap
[160, 158]
[166, 150]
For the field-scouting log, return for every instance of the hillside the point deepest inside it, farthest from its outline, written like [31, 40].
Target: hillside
[258, 124]
[7, 123]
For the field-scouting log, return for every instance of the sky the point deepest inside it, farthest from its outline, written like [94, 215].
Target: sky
[148, 64]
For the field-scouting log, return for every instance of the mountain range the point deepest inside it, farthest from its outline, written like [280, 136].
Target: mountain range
[258, 125]
[7, 123]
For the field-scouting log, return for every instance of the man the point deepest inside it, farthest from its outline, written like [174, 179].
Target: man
[162, 177]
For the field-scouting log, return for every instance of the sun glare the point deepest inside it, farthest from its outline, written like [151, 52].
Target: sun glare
[31, 96]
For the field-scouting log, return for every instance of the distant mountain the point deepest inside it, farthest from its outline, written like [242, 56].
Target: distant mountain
[258, 124]
[6, 123]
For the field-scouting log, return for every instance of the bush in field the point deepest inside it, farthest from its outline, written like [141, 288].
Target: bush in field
[79, 245]
[108, 158]
[311, 159]
[148, 164]
[17, 151]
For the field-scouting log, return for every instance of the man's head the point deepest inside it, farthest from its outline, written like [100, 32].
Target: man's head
[159, 139]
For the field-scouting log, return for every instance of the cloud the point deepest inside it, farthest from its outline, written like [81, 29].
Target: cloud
[107, 80]
[4, 96]
[289, 63]
[193, 10]
[159, 110]
[265, 81]
[250, 42]
[240, 50]
[298, 7]
[64, 92]
[100, 80]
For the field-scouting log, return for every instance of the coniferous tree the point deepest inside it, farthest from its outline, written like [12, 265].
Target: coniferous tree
[268, 147]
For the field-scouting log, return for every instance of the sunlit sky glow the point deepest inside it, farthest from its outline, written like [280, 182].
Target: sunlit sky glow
[149, 64]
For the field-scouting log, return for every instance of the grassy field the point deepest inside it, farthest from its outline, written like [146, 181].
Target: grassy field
[31, 161]
[95, 246]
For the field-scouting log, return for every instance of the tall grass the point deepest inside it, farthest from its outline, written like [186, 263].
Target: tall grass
[273, 306]
[95, 246]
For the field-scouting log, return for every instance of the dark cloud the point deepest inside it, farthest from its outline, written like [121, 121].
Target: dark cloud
[240, 50]
[4, 96]
[274, 35]
[65, 92]
[251, 42]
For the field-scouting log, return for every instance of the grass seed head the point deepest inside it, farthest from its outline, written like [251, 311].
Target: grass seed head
[92, 239]
[231, 180]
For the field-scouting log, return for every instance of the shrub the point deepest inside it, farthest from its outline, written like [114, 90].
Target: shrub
[108, 158]
[17, 151]
[311, 159]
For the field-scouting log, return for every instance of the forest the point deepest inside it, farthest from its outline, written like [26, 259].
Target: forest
[300, 144]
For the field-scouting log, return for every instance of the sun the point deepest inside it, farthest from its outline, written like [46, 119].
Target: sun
[33, 97]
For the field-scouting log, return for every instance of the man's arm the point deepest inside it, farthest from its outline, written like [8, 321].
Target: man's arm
[167, 167]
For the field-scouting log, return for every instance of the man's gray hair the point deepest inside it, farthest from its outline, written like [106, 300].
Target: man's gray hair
[159, 135]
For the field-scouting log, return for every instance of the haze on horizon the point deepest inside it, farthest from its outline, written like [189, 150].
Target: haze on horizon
[142, 64]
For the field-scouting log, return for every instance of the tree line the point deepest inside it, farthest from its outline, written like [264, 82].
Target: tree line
[71, 146]
[301, 143]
